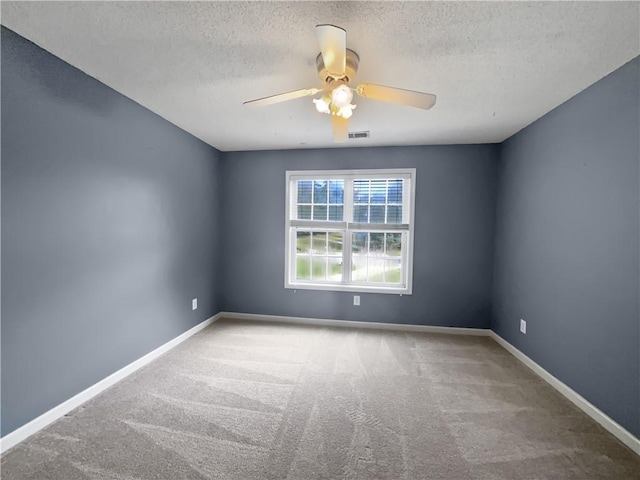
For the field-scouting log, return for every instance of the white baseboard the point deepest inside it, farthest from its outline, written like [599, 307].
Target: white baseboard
[325, 322]
[37, 424]
[574, 397]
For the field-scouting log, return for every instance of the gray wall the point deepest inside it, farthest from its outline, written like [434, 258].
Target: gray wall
[454, 228]
[567, 244]
[109, 229]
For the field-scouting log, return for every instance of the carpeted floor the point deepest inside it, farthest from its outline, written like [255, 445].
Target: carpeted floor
[244, 400]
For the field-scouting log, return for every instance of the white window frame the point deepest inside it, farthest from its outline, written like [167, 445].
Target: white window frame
[408, 202]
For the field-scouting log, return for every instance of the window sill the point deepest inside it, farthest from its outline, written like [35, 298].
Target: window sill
[348, 288]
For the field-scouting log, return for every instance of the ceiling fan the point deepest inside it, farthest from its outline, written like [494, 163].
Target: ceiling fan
[337, 66]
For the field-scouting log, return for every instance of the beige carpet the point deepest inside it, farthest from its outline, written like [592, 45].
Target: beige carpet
[245, 400]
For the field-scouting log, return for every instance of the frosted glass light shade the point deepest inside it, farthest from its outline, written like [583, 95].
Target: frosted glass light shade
[346, 111]
[341, 96]
[321, 105]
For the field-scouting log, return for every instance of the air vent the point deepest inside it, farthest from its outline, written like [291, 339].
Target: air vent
[359, 134]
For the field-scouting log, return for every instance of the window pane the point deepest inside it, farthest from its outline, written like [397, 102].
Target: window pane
[377, 214]
[335, 243]
[302, 242]
[394, 193]
[394, 214]
[394, 244]
[319, 212]
[304, 191]
[392, 273]
[303, 268]
[319, 270]
[336, 213]
[359, 268]
[361, 191]
[304, 212]
[335, 269]
[376, 270]
[319, 243]
[336, 191]
[378, 192]
[359, 243]
[320, 191]
[361, 213]
[376, 243]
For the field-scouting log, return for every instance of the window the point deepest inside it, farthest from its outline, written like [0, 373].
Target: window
[350, 230]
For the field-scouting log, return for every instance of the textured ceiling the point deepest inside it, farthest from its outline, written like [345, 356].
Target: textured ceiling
[495, 66]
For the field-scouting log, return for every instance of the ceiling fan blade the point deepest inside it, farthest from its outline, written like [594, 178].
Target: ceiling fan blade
[333, 45]
[397, 95]
[340, 128]
[283, 97]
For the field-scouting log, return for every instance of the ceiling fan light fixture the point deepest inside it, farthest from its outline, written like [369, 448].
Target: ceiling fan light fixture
[346, 111]
[341, 96]
[326, 104]
[322, 105]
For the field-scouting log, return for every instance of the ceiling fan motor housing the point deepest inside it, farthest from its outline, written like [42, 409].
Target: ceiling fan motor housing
[352, 60]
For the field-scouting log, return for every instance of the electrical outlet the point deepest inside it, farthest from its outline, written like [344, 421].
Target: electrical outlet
[523, 326]
[356, 300]
[194, 304]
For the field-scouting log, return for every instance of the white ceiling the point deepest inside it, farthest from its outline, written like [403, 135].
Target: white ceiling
[494, 66]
